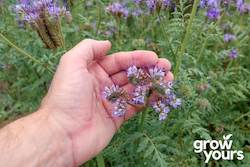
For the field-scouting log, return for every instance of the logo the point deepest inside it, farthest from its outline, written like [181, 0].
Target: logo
[218, 149]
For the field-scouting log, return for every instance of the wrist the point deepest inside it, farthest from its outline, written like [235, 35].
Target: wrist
[57, 138]
[39, 141]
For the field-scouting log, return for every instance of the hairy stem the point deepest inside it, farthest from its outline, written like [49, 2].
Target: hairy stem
[143, 116]
[186, 38]
[162, 25]
[27, 55]
[99, 13]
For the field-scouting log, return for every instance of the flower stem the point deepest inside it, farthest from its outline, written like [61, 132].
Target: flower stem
[27, 55]
[162, 25]
[143, 116]
[186, 38]
[99, 12]
[100, 161]
[202, 49]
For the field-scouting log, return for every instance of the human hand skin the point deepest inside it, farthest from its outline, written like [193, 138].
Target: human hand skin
[74, 122]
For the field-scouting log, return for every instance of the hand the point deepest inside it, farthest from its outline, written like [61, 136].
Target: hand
[74, 123]
[74, 98]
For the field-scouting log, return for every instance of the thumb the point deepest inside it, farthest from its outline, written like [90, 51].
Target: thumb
[87, 51]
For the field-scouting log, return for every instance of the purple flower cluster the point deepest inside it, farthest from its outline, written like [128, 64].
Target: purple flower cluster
[118, 9]
[242, 6]
[32, 10]
[233, 54]
[140, 95]
[156, 5]
[137, 1]
[214, 7]
[151, 89]
[229, 37]
[213, 13]
[136, 8]
[44, 16]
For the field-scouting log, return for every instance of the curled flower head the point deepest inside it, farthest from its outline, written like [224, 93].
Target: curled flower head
[203, 3]
[140, 95]
[247, 8]
[39, 8]
[175, 103]
[233, 54]
[162, 116]
[166, 3]
[150, 90]
[157, 73]
[136, 75]
[158, 106]
[44, 16]
[213, 13]
[213, 3]
[162, 108]
[113, 93]
[137, 12]
[118, 9]
[120, 107]
[229, 37]
[157, 5]
[151, 4]
[137, 1]
[56, 11]
[240, 4]
[159, 87]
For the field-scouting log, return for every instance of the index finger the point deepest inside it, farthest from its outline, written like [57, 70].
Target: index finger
[123, 60]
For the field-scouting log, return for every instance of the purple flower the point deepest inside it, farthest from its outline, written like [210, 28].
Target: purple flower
[137, 12]
[240, 6]
[151, 4]
[157, 106]
[120, 108]
[175, 103]
[163, 116]
[213, 3]
[162, 108]
[136, 75]
[233, 54]
[150, 88]
[227, 2]
[213, 13]
[247, 8]
[140, 95]
[137, 1]
[203, 3]
[229, 37]
[30, 11]
[118, 9]
[157, 73]
[55, 11]
[112, 93]
[170, 84]
[166, 3]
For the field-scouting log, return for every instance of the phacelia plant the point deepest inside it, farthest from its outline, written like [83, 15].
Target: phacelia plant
[151, 90]
[44, 16]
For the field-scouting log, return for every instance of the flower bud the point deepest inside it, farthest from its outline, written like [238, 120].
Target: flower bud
[203, 104]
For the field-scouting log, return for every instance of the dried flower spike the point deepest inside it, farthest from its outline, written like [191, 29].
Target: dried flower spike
[44, 16]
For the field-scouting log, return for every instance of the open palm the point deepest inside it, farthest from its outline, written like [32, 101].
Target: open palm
[74, 99]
